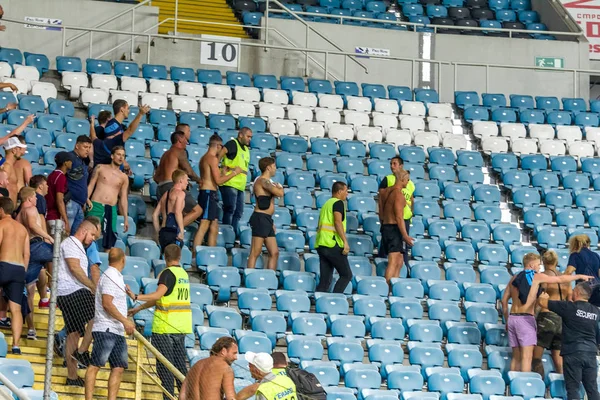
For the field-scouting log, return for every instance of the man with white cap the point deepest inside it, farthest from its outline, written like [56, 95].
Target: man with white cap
[14, 151]
[272, 387]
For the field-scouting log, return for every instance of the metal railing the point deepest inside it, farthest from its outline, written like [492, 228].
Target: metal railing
[12, 388]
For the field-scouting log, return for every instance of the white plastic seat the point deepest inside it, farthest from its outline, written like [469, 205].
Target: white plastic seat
[412, 123]
[568, 133]
[282, 127]
[513, 130]
[398, 137]
[212, 106]
[454, 142]
[184, 103]
[369, 135]
[541, 131]
[362, 104]
[247, 94]
[340, 132]
[385, 121]
[387, 106]
[27, 73]
[276, 96]
[483, 129]
[356, 118]
[222, 92]
[300, 114]
[45, 90]
[71, 81]
[439, 125]
[327, 116]
[155, 101]
[271, 111]
[104, 82]
[242, 109]
[332, 101]
[414, 108]
[592, 134]
[5, 70]
[162, 86]
[304, 99]
[93, 96]
[133, 84]
[191, 89]
[311, 130]
[494, 144]
[427, 140]
[440, 110]
[130, 97]
[525, 146]
[553, 147]
[581, 149]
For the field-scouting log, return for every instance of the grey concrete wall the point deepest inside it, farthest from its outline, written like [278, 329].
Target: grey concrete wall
[85, 13]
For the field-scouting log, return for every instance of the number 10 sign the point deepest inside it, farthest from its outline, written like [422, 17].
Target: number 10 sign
[223, 54]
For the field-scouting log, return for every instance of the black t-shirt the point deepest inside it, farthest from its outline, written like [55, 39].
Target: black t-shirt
[338, 206]
[167, 278]
[579, 326]
[231, 147]
[100, 132]
[384, 183]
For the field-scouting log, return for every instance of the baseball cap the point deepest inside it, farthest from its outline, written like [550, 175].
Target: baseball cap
[262, 361]
[63, 157]
[14, 142]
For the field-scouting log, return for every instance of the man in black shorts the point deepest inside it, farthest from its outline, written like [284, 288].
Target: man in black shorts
[394, 236]
[75, 294]
[261, 221]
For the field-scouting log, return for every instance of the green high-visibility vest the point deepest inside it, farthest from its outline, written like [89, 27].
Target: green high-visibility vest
[279, 371]
[280, 388]
[326, 233]
[173, 313]
[242, 160]
[407, 192]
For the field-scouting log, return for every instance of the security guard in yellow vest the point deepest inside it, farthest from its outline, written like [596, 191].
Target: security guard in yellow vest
[332, 244]
[397, 165]
[235, 153]
[172, 316]
[272, 387]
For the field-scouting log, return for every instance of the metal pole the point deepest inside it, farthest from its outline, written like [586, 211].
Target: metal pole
[575, 91]
[149, 46]
[11, 386]
[439, 89]
[412, 74]
[326, 61]
[58, 229]
[159, 356]
[267, 23]
[306, 58]
[345, 66]
[487, 78]
[176, 14]
[455, 77]
[64, 41]
[91, 43]
[133, 37]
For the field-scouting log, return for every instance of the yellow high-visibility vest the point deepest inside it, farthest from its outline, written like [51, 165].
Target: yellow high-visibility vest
[242, 160]
[173, 313]
[280, 388]
[326, 233]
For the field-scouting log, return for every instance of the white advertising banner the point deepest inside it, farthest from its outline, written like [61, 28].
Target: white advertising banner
[587, 15]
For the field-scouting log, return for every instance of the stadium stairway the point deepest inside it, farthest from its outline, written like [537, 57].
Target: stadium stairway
[35, 352]
[208, 10]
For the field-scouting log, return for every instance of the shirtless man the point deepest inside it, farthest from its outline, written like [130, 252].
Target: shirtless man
[393, 228]
[524, 290]
[109, 186]
[14, 151]
[261, 221]
[212, 378]
[549, 324]
[170, 209]
[208, 198]
[23, 168]
[40, 249]
[14, 258]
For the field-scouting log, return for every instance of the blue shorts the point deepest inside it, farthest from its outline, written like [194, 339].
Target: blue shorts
[109, 347]
[41, 253]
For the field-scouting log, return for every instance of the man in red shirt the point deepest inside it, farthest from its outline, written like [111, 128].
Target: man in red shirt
[57, 196]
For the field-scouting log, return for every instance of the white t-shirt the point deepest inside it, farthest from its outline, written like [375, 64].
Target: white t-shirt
[71, 247]
[112, 284]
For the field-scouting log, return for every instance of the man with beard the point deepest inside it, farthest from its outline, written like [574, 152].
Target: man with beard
[212, 378]
[109, 186]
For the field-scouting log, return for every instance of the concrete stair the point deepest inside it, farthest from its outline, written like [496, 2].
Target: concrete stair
[35, 352]
[206, 10]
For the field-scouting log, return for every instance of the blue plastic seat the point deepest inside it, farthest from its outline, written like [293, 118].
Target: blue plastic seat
[404, 378]
[502, 162]
[529, 116]
[40, 61]
[411, 10]
[426, 250]
[563, 164]
[428, 190]
[320, 86]
[441, 156]
[238, 79]
[406, 309]
[224, 317]
[264, 81]
[19, 372]
[444, 311]
[50, 123]
[425, 355]
[323, 146]
[271, 323]
[362, 378]
[381, 151]
[39, 138]
[493, 254]
[463, 332]
[476, 113]
[516, 100]
[481, 314]
[487, 383]
[179, 74]
[257, 342]
[70, 64]
[291, 301]
[442, 173]
[369, 306]
[548, 103]
[501, 115]
[425, 331]
[462, 252]
[373, 91]
[386, 328]
[299, 281]
[509, 16]
[64, 109]
[588, 200]
[325, 371]
[200, 294]
[573, 104]
[253, 300]
[464, 99]
[526, 197]
[442, 230]
[464, 357]
[292, 84]
[458, 211]
[352, 149]
[407, 287]
[293, 144]
[193, 119]
[206, 76]
[364, 184]
[400, 93]
[514, 179]
[506, 234]
[493, 100]
[304, 348]
[350, 166]
[549, 237]
[559, 118]
[445, 382]
[346, 88]
[495, 276]
[223, 280]
[426, 95]
[126, 68]
[526, 384]
[290, 240]
[457, 192]
[137, 267]
[345, 351]
[154, 71]
[301, 180]
[570, 218]
[489, 194]
[32, 104]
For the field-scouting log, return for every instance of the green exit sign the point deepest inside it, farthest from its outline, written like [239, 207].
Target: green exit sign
[549, 62]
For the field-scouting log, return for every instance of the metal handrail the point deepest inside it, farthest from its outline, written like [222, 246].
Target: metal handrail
[11, 386]
[416, 24]
[106, 21]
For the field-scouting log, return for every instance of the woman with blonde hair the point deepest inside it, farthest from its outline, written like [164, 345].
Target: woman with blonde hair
[582, 260]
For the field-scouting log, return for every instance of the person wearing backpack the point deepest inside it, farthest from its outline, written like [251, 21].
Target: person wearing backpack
[271, 387]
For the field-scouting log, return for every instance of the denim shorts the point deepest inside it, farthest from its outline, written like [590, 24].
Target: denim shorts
[75, 215]
[109, 347]
[41, 253]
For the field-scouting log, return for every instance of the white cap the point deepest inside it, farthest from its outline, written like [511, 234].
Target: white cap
[14, 142]
[262, 361]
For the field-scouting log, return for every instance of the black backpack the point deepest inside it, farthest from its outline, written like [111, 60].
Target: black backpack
[308, 386]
